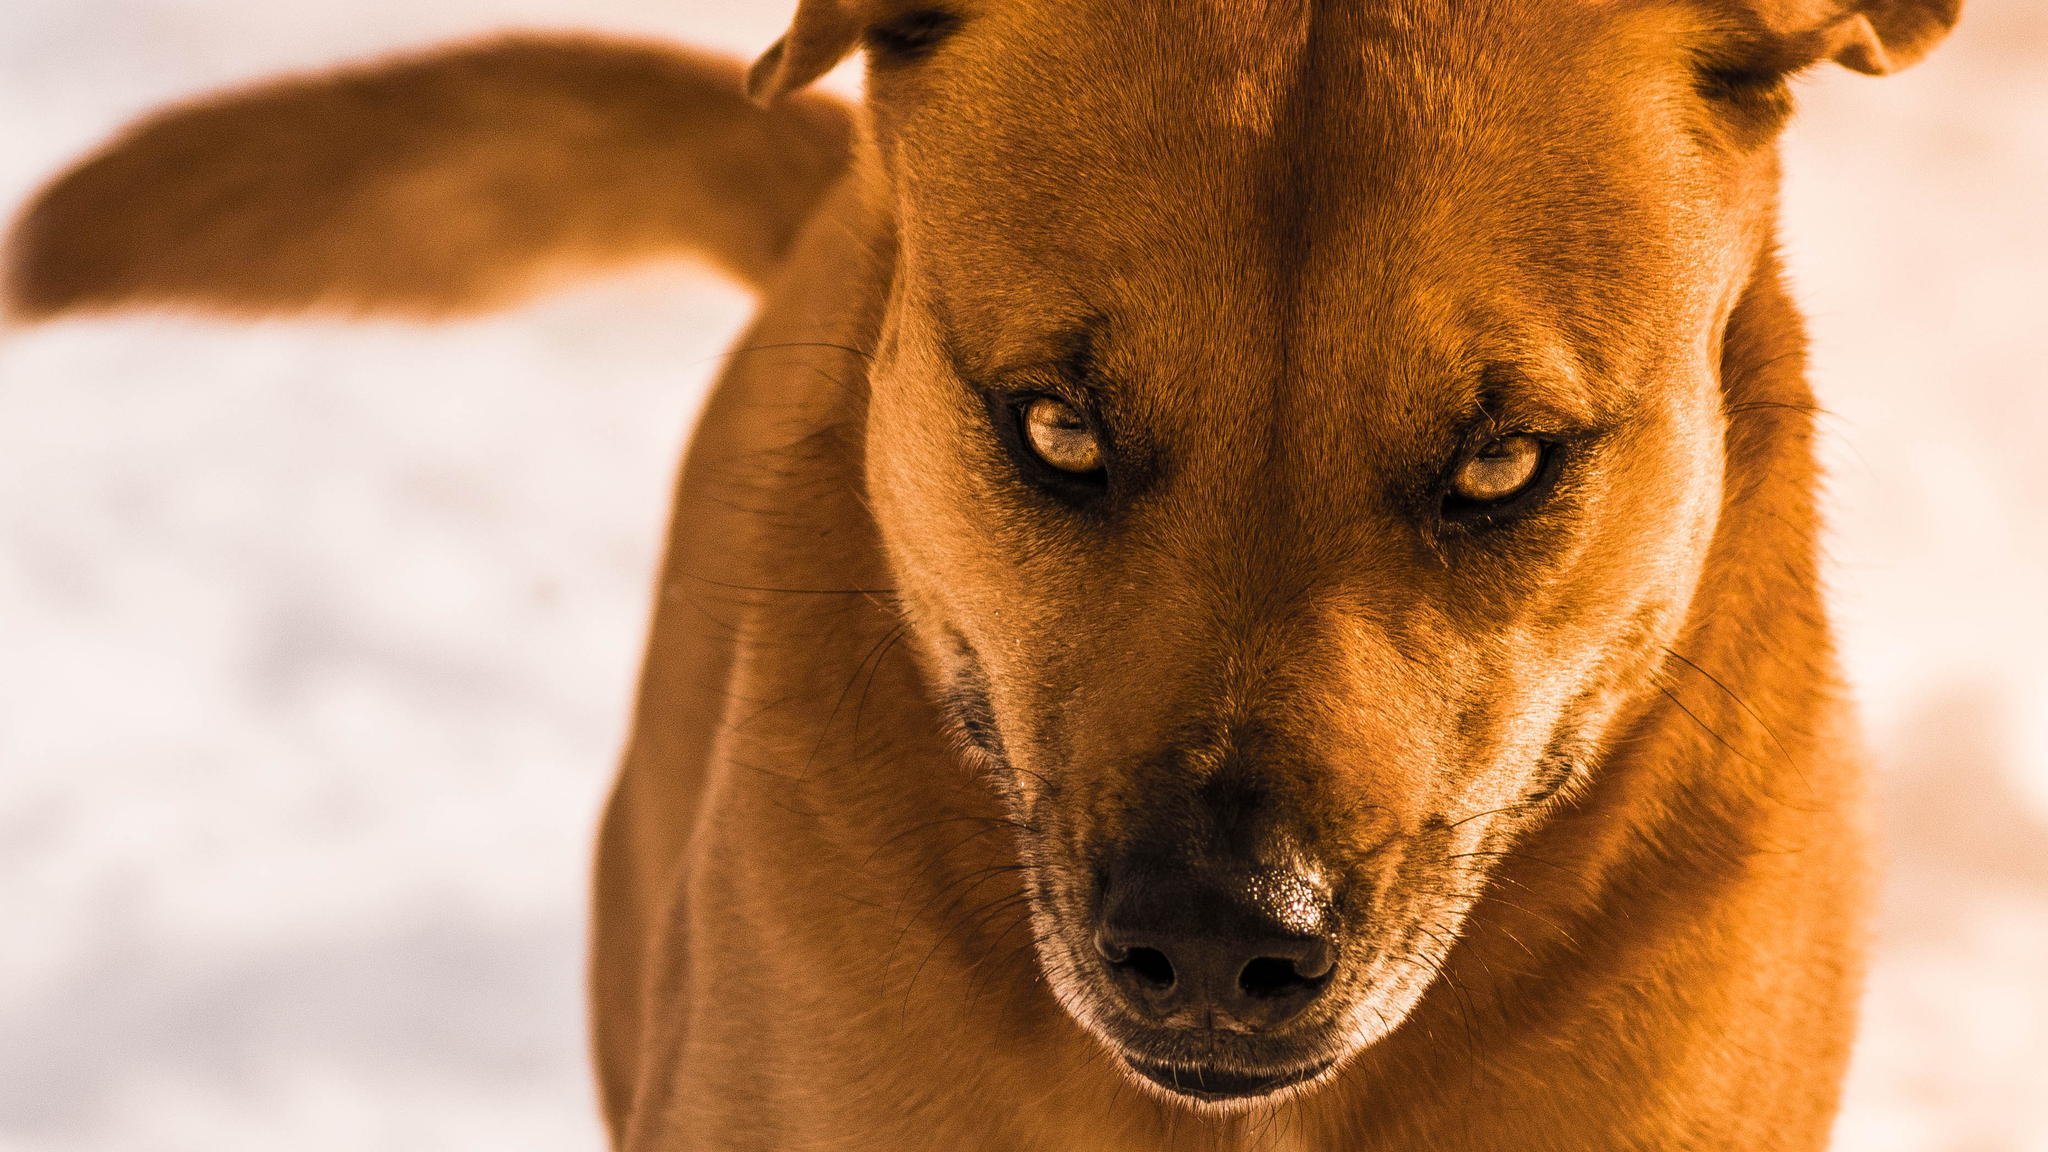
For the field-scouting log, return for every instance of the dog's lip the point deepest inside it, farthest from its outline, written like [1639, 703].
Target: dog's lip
[1219, 1084]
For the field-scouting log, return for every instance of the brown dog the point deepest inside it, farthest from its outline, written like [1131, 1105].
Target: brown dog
[1252, 586]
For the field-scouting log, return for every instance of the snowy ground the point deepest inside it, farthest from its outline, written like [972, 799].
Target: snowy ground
[316, 641]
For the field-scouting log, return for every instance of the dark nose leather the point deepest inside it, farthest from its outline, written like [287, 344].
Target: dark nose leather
[1247, 951]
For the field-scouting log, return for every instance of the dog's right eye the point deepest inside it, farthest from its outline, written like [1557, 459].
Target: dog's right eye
[1057, 447]
[1059, 435]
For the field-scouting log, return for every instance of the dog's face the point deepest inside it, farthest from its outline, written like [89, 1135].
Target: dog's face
[1297, 435]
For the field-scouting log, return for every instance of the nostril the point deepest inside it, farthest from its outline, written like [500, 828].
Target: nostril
[1274, 977]
[1149, 965]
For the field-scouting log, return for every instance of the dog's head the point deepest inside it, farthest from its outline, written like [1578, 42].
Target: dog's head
[1296, 432]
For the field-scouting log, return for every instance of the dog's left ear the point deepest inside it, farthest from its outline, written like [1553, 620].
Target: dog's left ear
[827, 31]
[1874, 37]
[822, 34]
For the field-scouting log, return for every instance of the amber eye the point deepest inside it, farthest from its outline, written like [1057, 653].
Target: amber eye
[1059, 435]
[1502, 468]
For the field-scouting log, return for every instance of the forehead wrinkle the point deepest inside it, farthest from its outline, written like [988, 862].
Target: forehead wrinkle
[1147, 189]
[1441, 252]
[1569, 168]
[1295, 184]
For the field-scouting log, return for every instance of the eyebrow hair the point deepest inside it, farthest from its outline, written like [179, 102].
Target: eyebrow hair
[1071, 359]
[1079, 363]
[1523, 386]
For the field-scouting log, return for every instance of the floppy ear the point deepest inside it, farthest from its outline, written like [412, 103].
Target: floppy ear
[1887, 35]
[1874, 37]
[827, 31]
[822, 35]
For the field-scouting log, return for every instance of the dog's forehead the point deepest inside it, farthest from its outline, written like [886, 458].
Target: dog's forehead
[1235, 169]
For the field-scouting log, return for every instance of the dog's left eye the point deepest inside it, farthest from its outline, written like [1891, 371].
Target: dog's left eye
[1503, 468]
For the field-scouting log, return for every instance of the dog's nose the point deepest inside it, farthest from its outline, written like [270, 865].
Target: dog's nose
[1247, 951]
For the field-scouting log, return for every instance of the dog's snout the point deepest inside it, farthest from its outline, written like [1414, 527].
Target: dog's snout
[1244, 951]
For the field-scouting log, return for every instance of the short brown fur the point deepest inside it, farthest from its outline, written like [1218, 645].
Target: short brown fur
[1585, 775]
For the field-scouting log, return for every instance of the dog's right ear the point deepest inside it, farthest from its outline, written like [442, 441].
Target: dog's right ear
[822, 35]
[825, 32]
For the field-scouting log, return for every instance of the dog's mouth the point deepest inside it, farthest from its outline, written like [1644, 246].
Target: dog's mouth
[1224, 1058]
[1213, 1084]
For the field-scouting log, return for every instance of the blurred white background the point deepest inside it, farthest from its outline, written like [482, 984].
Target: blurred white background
[317, 640]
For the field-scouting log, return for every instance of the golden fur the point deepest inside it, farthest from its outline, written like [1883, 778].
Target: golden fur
[1585, 775]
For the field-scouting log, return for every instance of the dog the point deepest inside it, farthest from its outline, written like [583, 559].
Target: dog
[1253, 584]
